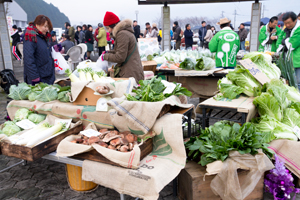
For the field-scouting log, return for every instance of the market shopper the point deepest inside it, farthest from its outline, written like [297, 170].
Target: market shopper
[243, 36]
[213, 29]
[96, 32]
[89, 41]
[15, 40]
[209, 35]
[102, 41]
[289, 40]
[137, 30]
[268, 36]
[176, 35]
[125, 51]
[202, 33]
[188, 37]
[226, 44]
[66, 44]
[53, 40]
[70, 31]
[147, 30]
[154, 31]
[78, 29]
[82, 34]
[38, 63]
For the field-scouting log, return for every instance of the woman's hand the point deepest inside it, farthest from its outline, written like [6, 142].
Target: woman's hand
[110, 69]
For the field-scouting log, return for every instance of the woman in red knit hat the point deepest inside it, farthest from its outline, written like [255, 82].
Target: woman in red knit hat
[125, 52]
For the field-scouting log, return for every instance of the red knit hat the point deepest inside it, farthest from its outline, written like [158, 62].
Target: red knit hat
[110, 18]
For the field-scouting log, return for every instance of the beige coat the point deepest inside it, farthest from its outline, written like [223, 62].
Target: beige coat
[125, 42]
[209, 36]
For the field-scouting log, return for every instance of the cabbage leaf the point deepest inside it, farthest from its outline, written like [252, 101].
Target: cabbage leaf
[21, 114]
[36, 118]
[19, 92]
[268, 105]
[47, 94]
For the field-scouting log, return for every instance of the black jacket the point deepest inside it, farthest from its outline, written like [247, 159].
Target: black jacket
[137, 31]
[16, 38]
[188, 37]
[176, 33]
[89, 37]
[77, 37]
[202, 33]
[38, 62]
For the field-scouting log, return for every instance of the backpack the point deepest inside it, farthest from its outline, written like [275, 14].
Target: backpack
[8, 79]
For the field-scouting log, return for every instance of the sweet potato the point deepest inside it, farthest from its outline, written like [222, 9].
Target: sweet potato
[93, 140]
[115, 142]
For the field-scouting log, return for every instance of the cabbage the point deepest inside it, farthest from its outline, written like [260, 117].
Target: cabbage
[268, 105]
[48, 94]
[264, 62]
[36, 118]
[296, 106]
[228, 89]
[32, 95]
[8, 123]
[11, 130]
[293, 94]
[63, 96]
[278, 90]
[279, 130]
[242, 77]
[21, 114]
[291, 117]
[188, 63]
[208, 63]
[19, 92]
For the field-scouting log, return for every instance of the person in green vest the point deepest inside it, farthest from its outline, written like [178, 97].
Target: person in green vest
[289, 40]
[226, 44]
[268, 36]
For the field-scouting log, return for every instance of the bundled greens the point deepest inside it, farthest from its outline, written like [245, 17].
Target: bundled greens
[218, 140]
[152, 91]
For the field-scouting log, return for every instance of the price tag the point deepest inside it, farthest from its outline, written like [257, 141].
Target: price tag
[90, 132]
[102, 104]
[296, 130]
[64, 121]
[26, 124]
[170, 87]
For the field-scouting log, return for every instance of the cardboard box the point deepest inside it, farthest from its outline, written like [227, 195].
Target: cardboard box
[149, 66]
[199, 86]
[191, 185]
[87, 96]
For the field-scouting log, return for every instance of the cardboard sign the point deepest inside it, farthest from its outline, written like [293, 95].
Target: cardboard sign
[257, 73]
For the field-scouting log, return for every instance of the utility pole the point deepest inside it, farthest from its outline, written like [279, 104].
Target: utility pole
[136, 15]
[263, 11]
[234, 18]
[222, 14]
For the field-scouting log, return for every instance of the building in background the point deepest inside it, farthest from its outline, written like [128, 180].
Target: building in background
[17, 13]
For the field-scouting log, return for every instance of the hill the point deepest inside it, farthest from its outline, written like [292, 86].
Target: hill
[34, 8]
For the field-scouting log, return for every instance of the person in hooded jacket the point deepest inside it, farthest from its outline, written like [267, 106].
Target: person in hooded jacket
[125, 51]
[38, 62]
[102, 41]
[89, 41]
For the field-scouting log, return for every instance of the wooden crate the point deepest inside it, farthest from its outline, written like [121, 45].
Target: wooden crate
[149, 66]
[192, 187]
[94, 155]
[34, 153]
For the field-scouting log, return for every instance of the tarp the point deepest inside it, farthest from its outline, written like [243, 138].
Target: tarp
[264, 20]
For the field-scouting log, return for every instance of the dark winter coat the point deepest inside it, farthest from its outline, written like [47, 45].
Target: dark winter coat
[38, 62]
[243, 33]
[188, 36]
[176, 33]
[89, 37]
[202, 33]
[137, 31]
[125, 44]
[15, 38]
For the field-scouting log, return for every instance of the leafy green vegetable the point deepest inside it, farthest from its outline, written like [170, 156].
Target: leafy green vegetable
[152, 91]
[209, 63]
[149, 57]
[48, 94]
[218, 140]
[21, 114]
[268, 105]
[242, 77]
[296, 106]
[276, 88]
[293, 94]
[8, 123]
[264, 62]
[32, 95]
[11, 129]
[228, 89]
[19, 92]
[199, 65]
[291, 117]
[36, 118]
[188, 63]
[64, 96]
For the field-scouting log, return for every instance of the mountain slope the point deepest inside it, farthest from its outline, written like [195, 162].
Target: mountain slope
[34, 8]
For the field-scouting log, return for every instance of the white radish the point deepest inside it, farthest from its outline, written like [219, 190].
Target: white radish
[23, 140]
[82, 75]
[96, 77]
[72, 76]
[45, 134]
[89, 76]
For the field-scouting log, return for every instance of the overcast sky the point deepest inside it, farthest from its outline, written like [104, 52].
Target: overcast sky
[92, 11]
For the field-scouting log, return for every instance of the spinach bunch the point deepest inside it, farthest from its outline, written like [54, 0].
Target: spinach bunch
[218, 140]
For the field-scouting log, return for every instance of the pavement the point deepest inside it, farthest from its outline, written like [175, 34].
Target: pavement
[44, 179]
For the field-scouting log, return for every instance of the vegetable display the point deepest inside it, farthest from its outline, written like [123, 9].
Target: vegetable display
[215, 142]
[40, 92]
[152, 91]
[86, 74]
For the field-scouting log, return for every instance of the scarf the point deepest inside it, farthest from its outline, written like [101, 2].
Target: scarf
[32, 31]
